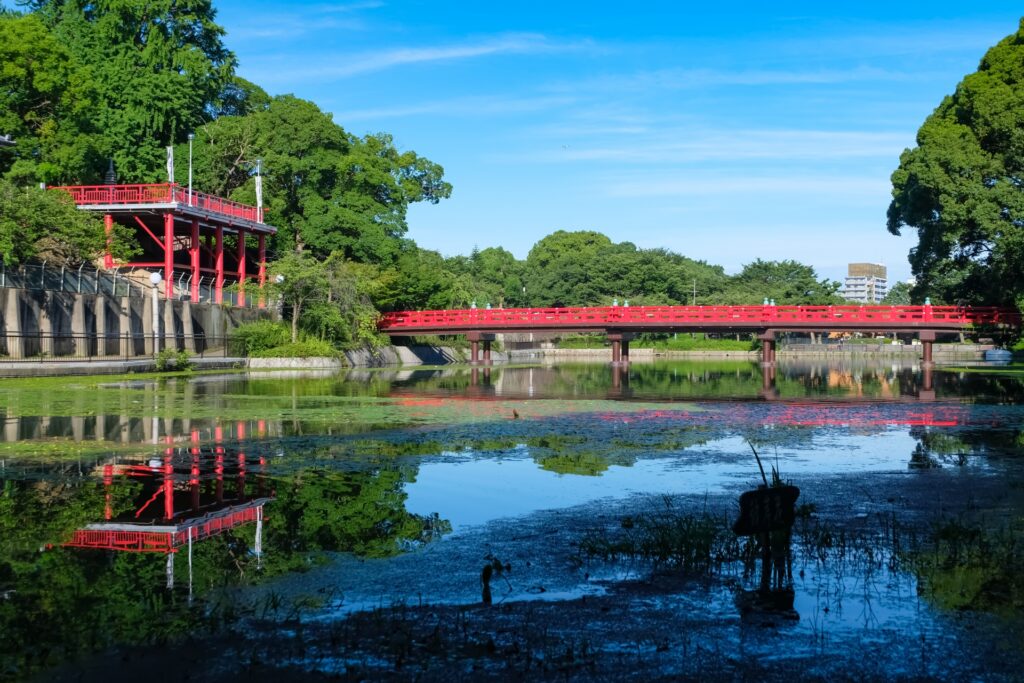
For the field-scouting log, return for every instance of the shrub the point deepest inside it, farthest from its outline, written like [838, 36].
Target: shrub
[172, 359]
[253, 339]
[301, 349]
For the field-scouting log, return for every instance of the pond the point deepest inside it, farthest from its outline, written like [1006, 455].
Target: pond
[568, 522]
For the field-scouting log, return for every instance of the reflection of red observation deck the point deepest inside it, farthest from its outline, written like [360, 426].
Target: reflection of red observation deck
[186, 231]
[203, 493]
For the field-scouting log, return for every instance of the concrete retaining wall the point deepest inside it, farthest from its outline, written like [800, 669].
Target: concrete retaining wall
[36, 322]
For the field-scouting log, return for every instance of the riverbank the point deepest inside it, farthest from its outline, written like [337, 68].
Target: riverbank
[403, 356]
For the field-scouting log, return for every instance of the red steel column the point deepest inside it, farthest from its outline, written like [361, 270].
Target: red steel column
[263, 267]
[487, 352]
[193, 255]
[218, 257]
[474, 352]
[169, 255]
[108, 228]
[241, 267]
[616, 351]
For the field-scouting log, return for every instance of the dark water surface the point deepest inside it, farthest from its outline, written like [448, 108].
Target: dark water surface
[141, 516]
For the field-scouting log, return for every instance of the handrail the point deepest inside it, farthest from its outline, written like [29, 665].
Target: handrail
[158, 193]
[662, 316]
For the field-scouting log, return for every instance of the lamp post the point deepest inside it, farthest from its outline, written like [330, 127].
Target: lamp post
[155, 279]
[191, 137]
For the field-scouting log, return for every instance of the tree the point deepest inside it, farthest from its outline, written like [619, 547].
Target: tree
[962, 186]
[47, 100]
[37, 223]
[787, 282]
[326, 190]
[160, 67]
[298, 279]
[559, 269]
[898, 295]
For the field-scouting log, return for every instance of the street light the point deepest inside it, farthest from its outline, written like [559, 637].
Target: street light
[191, 137]
[155, 279]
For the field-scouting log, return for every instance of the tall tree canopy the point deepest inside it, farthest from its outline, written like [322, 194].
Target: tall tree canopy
[46, 102]
[160, 70]
[326, 190]
[962, 187]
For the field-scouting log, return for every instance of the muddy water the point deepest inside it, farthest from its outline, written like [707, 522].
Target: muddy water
[251, 511]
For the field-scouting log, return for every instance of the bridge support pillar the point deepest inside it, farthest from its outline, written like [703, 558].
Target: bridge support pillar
[474, 347]
[927, 338]
[767, 346]
[620, 347]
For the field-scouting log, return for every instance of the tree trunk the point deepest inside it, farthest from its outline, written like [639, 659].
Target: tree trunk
[295, 322]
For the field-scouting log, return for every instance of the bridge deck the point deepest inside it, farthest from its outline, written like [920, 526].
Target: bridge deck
[697, 318]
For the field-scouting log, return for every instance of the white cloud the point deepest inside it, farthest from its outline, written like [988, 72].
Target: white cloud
[346, 65]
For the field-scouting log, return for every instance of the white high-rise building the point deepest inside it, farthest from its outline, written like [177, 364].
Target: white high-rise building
[866, 283]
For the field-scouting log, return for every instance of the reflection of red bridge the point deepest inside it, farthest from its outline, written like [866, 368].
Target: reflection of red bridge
[620, 323]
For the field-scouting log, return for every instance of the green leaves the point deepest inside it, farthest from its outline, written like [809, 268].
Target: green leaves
[45, 224]
[961, 187]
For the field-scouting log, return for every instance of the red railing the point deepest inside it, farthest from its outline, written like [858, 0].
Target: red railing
[160, 193]
[711, 316]
[145, 541]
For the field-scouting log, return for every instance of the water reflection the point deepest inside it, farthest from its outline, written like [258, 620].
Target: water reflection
[266, 476]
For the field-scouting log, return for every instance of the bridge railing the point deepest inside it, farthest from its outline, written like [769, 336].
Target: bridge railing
[747, 316]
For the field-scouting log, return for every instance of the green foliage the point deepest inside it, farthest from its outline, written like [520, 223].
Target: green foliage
[44, 224]
[173, 360]
[968, 567]
[307, 348]
[693, 543]
[787, 282]
[47, 100]
[159, 66]
[898, 295]
[251, 339]
[327, 190]
[692, 342]
[960, 187]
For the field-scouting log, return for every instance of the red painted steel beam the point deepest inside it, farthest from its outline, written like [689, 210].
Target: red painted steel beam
[241, 268]
[169, 255]
[194, 256]
[218, 264]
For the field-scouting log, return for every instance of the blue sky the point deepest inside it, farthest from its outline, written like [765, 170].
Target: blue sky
[723, 132]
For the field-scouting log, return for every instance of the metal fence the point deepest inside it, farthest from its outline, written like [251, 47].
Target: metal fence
[90, 347]
[116, 283]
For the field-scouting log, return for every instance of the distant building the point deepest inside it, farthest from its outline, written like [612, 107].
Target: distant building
[866, 283]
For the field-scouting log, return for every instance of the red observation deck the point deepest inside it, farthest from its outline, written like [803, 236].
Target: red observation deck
[185, 231]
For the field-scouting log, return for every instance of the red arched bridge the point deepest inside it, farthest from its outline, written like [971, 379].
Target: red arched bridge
[621, 323]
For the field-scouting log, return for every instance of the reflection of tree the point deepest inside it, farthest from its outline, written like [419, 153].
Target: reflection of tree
[62, 602]
[359, 512]
[968, 567]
